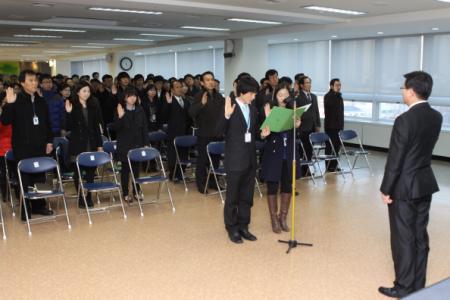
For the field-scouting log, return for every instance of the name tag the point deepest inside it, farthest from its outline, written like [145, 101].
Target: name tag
[35, 121]
[92, 157]
[144, 154]
[248, 137]
[36, 164]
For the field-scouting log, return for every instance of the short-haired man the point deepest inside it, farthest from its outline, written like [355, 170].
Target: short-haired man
[334, 119]
[27, 112]
[239, 125]
[408, 184]
[206, 110]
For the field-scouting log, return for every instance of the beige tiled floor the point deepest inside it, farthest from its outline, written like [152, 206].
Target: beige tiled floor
[187, 255]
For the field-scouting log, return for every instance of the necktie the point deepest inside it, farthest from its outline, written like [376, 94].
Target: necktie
[180, 101]
[309, 98]
[246, 114]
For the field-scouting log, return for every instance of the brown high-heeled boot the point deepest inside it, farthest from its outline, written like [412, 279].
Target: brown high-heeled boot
[284, 209]
[273, 210]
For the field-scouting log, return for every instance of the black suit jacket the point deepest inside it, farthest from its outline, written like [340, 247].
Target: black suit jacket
[334, 111]
[408, 174]
[83, 134]
[239, 155]
[178, 120]
[311, 118]
[207, 116]
[28, 140]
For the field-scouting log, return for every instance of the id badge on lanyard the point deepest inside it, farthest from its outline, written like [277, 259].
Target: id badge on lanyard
[248, 137]
[35, 120]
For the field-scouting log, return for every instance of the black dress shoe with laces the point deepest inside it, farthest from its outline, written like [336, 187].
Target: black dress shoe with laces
[247, 235]
[44, 212]
[392, 292]
[235, 237]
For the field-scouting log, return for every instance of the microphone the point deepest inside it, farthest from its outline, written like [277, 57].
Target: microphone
[289, 101]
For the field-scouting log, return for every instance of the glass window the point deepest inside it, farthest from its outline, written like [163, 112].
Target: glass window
[390, 111]
[445, 111]
[195, 62]
[357, 109]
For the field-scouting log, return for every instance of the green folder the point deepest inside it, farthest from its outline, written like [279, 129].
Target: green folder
[282, 119]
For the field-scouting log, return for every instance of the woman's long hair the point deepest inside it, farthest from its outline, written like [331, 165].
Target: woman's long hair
[74, 98]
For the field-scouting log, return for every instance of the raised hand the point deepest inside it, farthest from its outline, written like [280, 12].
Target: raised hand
[229, 108]
[205, 98]
[120, 111]
[265, 132]
[10, 95]
[168, 98]
[68, 106]
[114, 89]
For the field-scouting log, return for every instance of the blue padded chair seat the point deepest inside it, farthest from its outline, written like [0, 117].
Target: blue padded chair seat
[34, 195]
[220, 171]
[150, 179]
[100, 186]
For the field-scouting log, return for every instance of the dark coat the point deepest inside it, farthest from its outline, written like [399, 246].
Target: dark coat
[178, 120]
[272, 159]
[208, 115]
[131, 130]
[408, 174]
[239, 155]
[334, 111]
[311, 117]
[108, 105]
[56, 111]
[82, 134]
[28, 140]
[153, 112]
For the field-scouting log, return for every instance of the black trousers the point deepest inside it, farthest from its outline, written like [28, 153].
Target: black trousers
[125, 176]
[29, 180]
[409, 242]
[239, 199]
[89, 176]
[201, 168]
[304, 137]
[285, 182]
[172, 158]
[334, 137]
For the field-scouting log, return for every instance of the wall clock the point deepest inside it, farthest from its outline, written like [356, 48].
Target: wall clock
[126, 63]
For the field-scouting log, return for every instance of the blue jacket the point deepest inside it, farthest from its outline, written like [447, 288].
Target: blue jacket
[56, 110]
[272, 159]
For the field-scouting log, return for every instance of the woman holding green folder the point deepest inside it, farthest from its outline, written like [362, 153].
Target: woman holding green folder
[276, 168]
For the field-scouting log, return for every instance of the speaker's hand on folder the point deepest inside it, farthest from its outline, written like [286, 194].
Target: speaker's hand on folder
[267, 109]
[229, 108]
[298, 122]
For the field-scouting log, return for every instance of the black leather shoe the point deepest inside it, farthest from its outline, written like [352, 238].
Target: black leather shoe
[44, 212]
[235, 237]
[247, 235]
[392, 292]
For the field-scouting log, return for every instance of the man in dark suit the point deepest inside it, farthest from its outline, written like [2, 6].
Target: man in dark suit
[408, 184]
[27, 112]
[175, 111]
[334, 119]
[206, 110]
[310, 119]
[238, 123]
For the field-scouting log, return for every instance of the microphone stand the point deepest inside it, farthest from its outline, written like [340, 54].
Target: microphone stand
[293, 243]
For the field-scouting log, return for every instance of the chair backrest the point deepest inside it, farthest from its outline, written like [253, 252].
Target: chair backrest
[143, 154]
[93, 159]
[347, 135]
[318, 138]
[157, 136]
[217, 148]
[37, 165]
[185, 141]
[104, 139]
[61, 146]
[110, 147]
[9, 156]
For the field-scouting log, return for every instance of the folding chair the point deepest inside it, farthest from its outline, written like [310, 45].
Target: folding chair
[35, 166]
[96, 160]
[318, 140]
[259, 149]
[216, 148]
[2, 221]
[304, 161]
[61, 146]
[141, 155]
[186, 141]
[11, 180]
[109, 130]
[348, 135]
